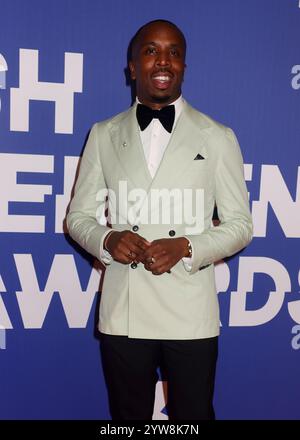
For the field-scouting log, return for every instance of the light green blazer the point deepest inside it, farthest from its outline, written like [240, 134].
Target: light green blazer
[180, 304]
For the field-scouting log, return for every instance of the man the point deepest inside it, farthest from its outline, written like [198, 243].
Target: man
[159, 305]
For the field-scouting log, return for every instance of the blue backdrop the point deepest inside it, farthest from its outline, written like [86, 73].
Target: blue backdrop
[65, 59]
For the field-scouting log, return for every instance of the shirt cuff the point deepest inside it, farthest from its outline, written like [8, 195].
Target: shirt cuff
[188, 261]
[105, 256]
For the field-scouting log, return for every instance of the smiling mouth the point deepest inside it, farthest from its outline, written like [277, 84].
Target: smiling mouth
[162, 80]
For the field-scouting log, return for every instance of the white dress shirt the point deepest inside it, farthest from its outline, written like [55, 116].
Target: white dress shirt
[155, 139]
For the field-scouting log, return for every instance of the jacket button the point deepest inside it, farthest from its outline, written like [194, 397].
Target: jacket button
[172, 233]
[135, 228]
[133, 265]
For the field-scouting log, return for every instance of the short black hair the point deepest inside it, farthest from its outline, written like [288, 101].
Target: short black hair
[136, 36]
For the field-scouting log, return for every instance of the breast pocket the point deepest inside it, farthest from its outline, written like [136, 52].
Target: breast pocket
[199, 174]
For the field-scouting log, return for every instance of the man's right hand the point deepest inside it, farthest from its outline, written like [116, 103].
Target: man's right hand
[126, 246]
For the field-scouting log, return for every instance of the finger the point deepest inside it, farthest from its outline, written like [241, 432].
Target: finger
[136, 240]
[125, 255]
[163, 268]
[143, 244]
[143, 239]
[135, 252]
[149, 252]
[151, 260]
[148, 263]
[141, 258]
[135, 236]
[159, 262]
[156, 247]
[160, 270]
[156, 272]
[131, 255]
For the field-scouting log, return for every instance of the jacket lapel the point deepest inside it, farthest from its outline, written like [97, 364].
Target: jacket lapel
[127, 143]
[186, 142]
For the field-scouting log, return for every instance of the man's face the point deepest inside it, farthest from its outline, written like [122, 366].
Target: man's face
[158, 65]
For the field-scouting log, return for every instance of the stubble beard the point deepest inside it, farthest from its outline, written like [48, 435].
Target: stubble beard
[160, 99]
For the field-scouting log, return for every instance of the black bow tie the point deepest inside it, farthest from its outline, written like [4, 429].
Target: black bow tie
[145, 115]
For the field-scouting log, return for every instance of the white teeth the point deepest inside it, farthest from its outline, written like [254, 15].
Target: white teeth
[162, 78]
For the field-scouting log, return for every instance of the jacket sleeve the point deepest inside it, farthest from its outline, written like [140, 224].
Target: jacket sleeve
[88, 203]
[235, 229]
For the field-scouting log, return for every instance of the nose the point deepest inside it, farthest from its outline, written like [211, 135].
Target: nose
[163, 59]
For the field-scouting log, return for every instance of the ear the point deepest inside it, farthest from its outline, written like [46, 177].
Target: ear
[132, 70]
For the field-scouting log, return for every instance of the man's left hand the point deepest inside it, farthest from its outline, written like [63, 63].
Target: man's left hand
[164, 253]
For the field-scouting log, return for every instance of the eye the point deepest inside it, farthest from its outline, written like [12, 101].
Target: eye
[151, 50]
[174, 53]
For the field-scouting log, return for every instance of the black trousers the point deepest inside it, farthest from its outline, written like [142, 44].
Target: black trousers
[130, 370]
